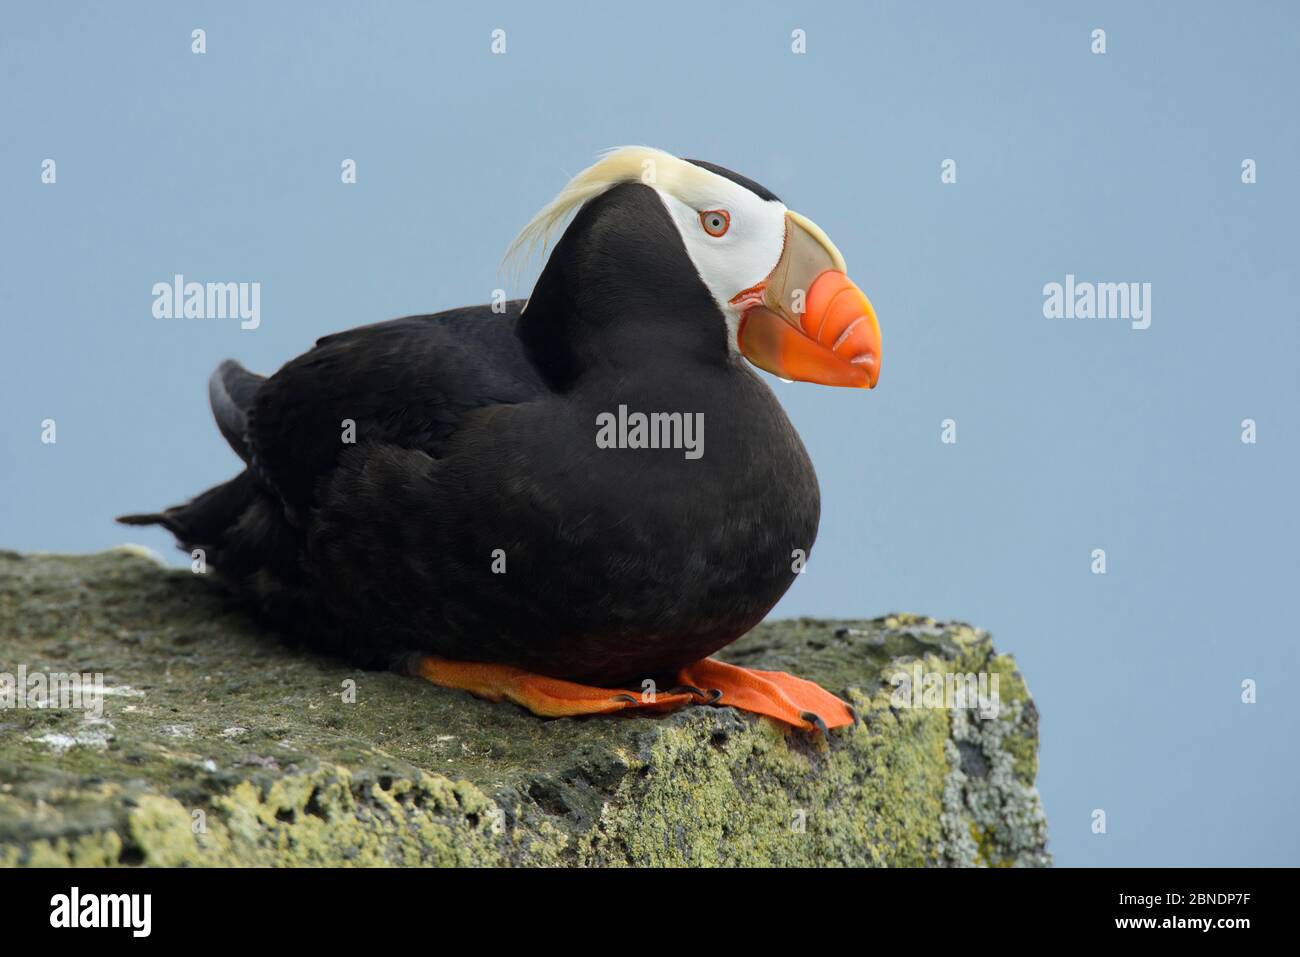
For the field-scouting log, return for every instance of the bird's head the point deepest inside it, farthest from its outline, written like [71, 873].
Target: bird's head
[777, 280]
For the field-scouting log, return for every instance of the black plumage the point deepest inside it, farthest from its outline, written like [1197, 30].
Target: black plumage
[475, 432]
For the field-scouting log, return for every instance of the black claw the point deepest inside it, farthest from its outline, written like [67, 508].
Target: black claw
[816, 721]
[716, 694]
[624, 697]
[853, 712]
[691, 689]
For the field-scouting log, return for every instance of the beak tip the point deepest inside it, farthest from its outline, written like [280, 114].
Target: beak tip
[871, 368]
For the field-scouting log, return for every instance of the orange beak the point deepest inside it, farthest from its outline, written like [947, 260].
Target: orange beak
[807, 320]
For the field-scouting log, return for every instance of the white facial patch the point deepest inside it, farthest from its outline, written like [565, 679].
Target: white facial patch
[728, 264]
[745, 254]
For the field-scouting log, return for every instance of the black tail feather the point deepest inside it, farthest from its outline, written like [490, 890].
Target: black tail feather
[149, 518]
[241, 524]
[205, 519]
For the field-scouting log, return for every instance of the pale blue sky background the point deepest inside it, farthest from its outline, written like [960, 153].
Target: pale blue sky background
[1073, 435]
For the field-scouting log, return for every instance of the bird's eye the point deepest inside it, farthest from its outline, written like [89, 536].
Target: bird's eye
[715, 221]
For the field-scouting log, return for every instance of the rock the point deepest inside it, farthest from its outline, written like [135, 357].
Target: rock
[219, 744]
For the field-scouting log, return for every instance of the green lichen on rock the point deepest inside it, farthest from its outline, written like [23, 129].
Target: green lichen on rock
[218, 744]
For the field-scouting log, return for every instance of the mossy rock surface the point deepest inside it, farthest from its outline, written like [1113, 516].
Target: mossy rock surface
[219, 744]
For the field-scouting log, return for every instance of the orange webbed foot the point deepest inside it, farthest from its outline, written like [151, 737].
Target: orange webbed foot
[794, 701]
[543, 696]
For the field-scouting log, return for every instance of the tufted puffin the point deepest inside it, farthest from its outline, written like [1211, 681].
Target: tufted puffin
[441, 493]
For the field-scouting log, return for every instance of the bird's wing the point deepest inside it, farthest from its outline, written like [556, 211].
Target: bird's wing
[232, 390]
[406, 382]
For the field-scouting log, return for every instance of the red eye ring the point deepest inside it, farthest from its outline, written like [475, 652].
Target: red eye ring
[716, 222]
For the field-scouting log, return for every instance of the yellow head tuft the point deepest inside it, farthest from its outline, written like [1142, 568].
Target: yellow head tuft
[622, 164]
